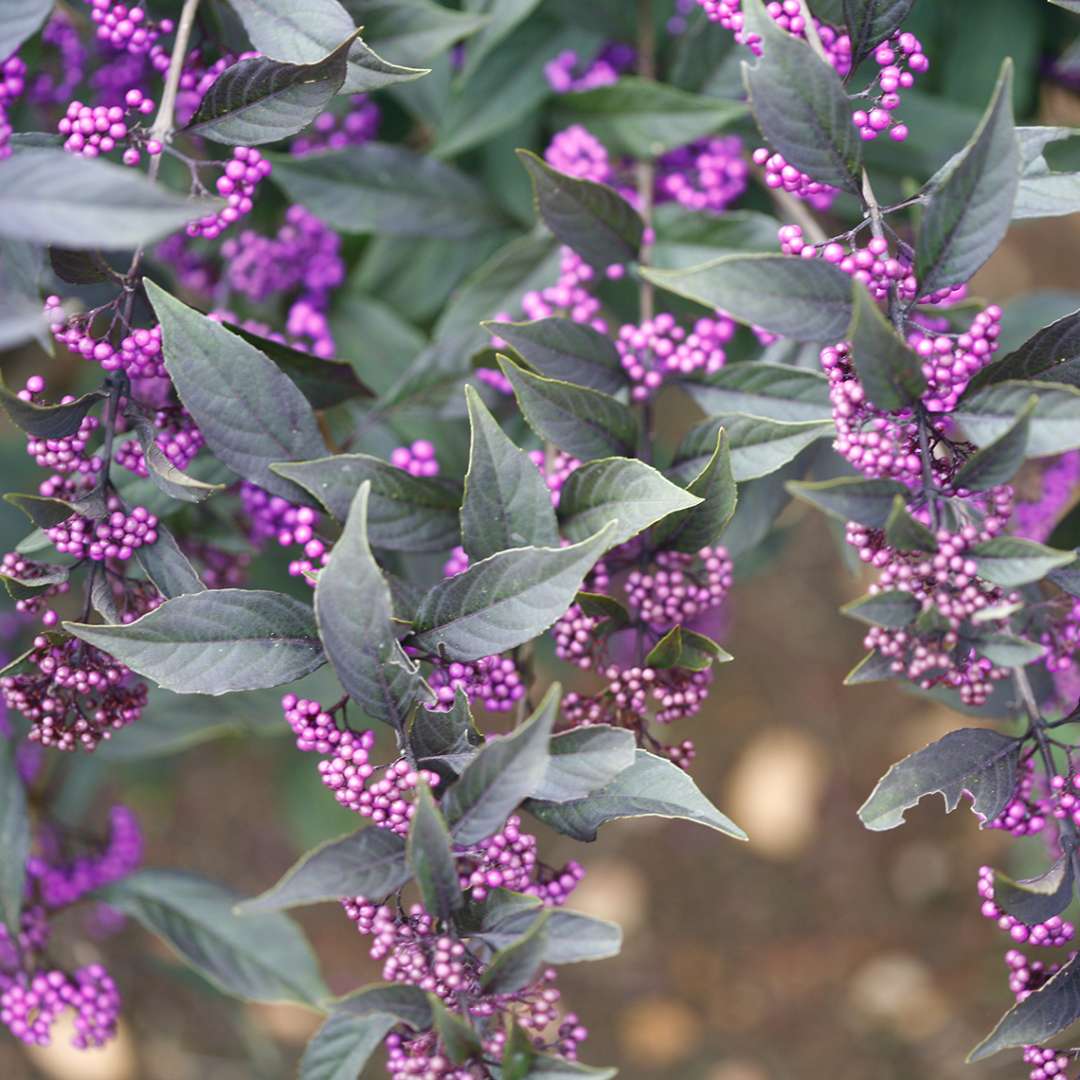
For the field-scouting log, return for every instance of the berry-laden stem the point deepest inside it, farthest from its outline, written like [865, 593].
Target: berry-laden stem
[645, 169]
[1038, 730]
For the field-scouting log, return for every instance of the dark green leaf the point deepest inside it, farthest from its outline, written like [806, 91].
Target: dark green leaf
[759, 445]
[890, 371]
[42, 511]
[389, 190]
[565, 350]
[518, 1053]
[893, 608]
[870, 22]
[516, 966]
[585, 423]
[682, 648]
[456, 1035]
[801, 299]
[52, 197]
[502, 17]
[167, 566]
[714, 484]
[507, 89]
[1055, 422]
[216, 641]
[406, 513]
[852, 498]
[906, 533]
[1052, 354]
[304, 36]
[800, 104]
[21, 21]
[369, 862]
[1043, 192]
[776, 391]
[583, 760]
[409, 1004]
[431, 858]
[265, 958]
[971, 203]
[412, 31]
[685, 238]
[643, 118]
[324, 382]
[978, 761]
[262, 100]
[1009, 561]
[47, 421]
[507, 504]
[14, 838]
[355, 617]
[341, 1048]
[997, 462]
[651, 787]
[503, 773]
[80, 267]
[1067, 578]
[249, 412]
[1040, 1016]
[448, 736]
[1034, 900]
[571, 936]
[1006, 650]
[163, 473]
[621, 490]
[593, 219]
[505, 600]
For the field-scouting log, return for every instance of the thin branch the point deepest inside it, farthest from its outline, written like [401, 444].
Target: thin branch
[166, 114]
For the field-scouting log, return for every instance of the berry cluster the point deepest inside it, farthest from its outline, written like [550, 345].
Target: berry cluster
[568, 72]
[54, 88]
[75, 695]
[270, 517]
[900, 58]
[417, 459]
[240, 177]
[12, 84]
[116, 536]
[100, 129]
[416, 952]
[492, 681]
[346, 768]
[31, 1004]
[660, 347]
[304, 254]
[779, 175]
[129, 30]
[680, 587]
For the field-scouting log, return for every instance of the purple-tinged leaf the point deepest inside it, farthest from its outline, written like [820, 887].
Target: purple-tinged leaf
[975, 761]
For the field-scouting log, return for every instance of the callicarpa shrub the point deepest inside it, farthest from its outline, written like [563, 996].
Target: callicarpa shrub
[413, 320]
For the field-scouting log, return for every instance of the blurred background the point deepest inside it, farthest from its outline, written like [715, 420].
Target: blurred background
[818, 950]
